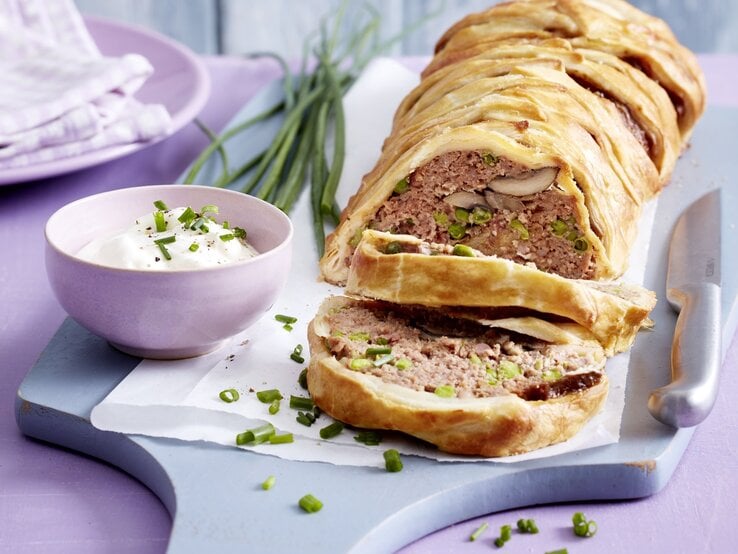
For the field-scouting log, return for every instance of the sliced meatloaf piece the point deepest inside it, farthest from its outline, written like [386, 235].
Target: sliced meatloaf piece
[491, 389]
[406, 270]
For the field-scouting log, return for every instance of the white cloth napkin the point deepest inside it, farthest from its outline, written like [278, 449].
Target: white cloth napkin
[179, 399]
[59, 96]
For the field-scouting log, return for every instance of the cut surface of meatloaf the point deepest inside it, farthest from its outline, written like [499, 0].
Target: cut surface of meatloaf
[561, 133]
[403, 269]
[451, 200]
[469, 388]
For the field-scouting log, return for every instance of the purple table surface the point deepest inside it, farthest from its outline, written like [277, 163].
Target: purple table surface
[55, 500]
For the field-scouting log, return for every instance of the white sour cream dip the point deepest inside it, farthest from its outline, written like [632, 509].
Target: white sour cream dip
[143, 247]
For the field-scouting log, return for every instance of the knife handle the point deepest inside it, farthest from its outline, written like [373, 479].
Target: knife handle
[695, 358]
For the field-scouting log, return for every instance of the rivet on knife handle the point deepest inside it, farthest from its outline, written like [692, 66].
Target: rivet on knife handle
[695, 358]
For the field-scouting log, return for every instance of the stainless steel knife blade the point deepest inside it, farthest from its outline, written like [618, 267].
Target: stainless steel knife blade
[693, 290]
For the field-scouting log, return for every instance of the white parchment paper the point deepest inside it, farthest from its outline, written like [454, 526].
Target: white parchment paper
[179, 399]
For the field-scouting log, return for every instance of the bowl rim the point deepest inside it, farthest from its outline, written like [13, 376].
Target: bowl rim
[285, 243]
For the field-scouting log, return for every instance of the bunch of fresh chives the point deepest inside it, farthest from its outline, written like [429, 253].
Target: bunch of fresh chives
[311, 107]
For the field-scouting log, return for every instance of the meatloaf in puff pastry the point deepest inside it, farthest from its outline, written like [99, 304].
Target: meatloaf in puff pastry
[405, 270]
[538, 131]
[494, 389]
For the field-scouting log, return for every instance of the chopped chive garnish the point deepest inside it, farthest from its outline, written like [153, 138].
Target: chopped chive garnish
[527, 526]
[257, 435]
[393, 247]
[370, 438]
[403, 363]
[281, 439]
[583, 527]
[457, 230]
[551, 375]
[159, 222]
[268, 396]
[480, 215]
[463, 250]
[274, 406]
[304, 419]
[520, 228]
[287, 327]
[392, 461]
[226, 225]
[359, 364]
[489, 158]
[301, 403]
[302, 379]
[269, 483]
[227, 237]
[559, 551]
[160, 205]
[508, 369]
[461, 215]
[401, 186]
[229, 395]
[200, 225]
[187, 217]
[440, 218]
[381, 360]
[296, 354]
[581, 245]
[445, 391]
[310, 504]
[316, 412]
[164, 251]
[166, 240]
[559, 227]
[477, 533]
[377, 350]
[330, 431]
[285, 318]
[505, 534]
[194, 246]
[239, 232]
[209, 208]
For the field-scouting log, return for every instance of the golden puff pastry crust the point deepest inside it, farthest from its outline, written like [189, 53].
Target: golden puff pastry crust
[426, 274]
[500, 425]
[563, 85]
[609, 26]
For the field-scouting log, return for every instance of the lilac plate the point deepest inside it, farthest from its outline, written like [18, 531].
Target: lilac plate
[180, 82]
[166, 314]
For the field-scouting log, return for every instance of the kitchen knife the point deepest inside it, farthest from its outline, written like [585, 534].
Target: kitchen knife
[693, 290]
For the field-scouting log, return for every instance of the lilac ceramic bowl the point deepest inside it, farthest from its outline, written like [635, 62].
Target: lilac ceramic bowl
[166, 314]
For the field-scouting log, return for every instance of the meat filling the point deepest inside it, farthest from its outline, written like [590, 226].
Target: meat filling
[426, 350]
[449, 201]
